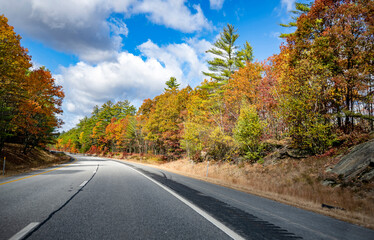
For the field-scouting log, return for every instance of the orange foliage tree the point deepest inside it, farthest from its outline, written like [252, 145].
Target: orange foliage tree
[36, 118]
[29, 100]
[14, 63]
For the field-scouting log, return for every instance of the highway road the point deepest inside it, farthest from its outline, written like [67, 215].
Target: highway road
[97, 198]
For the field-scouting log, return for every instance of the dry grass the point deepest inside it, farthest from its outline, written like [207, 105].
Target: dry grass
[295, 182]
[17, 162]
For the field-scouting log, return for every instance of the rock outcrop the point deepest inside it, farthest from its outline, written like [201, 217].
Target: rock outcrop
[358, 164]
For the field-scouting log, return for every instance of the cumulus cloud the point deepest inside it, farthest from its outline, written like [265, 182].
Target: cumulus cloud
[174, 14]
[188, 59]
[130, 77]
[78, 27]
[88, 28]
[216, 4]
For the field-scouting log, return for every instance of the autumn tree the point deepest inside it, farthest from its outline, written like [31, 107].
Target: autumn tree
[14, 63]
[244, 85]
[197, 126]
[325, 74]
[36, 118]
[345, 30]
[165, 121]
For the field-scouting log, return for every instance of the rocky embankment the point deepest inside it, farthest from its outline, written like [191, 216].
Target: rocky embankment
[356, 166]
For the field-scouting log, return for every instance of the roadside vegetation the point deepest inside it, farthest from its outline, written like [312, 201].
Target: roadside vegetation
[18, 162]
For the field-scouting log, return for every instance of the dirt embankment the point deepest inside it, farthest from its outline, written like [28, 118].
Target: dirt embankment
[17, 162]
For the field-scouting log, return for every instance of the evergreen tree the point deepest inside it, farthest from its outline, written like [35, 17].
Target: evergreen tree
[301, 8]
[171, 83]
[227, 56]
[245, 55]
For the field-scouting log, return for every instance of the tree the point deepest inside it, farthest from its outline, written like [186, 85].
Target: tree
[253, 84]
[14, 63]
[165, 121]
[248, 132]
[36, 118]
[244, 85]
[245, 55]
[301, 8]
[227, 55]
[197, 126]
[172, 83]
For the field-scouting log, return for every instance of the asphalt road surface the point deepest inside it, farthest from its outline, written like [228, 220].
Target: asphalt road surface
[96, 198]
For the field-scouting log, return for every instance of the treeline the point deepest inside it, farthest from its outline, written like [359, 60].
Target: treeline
[29, 98]
[317, 90]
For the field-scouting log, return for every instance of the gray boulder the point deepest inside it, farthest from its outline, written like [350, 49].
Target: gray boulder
[359, 163]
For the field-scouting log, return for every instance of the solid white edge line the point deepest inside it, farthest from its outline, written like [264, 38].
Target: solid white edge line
[204, 214]
[83, 183]
[24, 231]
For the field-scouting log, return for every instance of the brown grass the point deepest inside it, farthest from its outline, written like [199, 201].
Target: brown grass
[294, 182]
[17, 162]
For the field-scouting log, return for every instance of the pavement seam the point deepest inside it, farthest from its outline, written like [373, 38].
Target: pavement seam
[60, 208]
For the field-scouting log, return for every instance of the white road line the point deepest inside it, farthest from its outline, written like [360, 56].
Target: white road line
[83, 183]
[24, 231]
[204, 214]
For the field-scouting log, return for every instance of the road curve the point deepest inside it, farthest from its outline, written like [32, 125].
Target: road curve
[97, 198]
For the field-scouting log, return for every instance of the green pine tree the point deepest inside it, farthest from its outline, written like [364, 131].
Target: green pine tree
[228, 57]
[171, 84]
[301, 8]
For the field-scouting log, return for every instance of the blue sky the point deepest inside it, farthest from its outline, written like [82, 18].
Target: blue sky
[101, 50]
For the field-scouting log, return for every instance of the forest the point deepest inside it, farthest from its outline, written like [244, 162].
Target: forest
[30, 100]
[317, 91]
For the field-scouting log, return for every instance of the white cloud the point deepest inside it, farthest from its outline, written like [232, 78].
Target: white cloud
[130, 77]
[188, 59]
[289, 4]
[216, 4]
[118, 27]
[174, 14]
[88, 29]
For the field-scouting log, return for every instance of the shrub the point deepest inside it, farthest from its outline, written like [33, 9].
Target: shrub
[248, 132]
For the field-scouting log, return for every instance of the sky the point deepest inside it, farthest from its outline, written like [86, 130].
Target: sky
[101, 50]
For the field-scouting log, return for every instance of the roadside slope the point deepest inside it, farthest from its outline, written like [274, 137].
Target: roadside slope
[17, 162]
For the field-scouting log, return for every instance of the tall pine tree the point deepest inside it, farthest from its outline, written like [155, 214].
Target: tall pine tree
[228, 57]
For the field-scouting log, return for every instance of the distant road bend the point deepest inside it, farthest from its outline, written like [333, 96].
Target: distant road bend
[97, 198]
